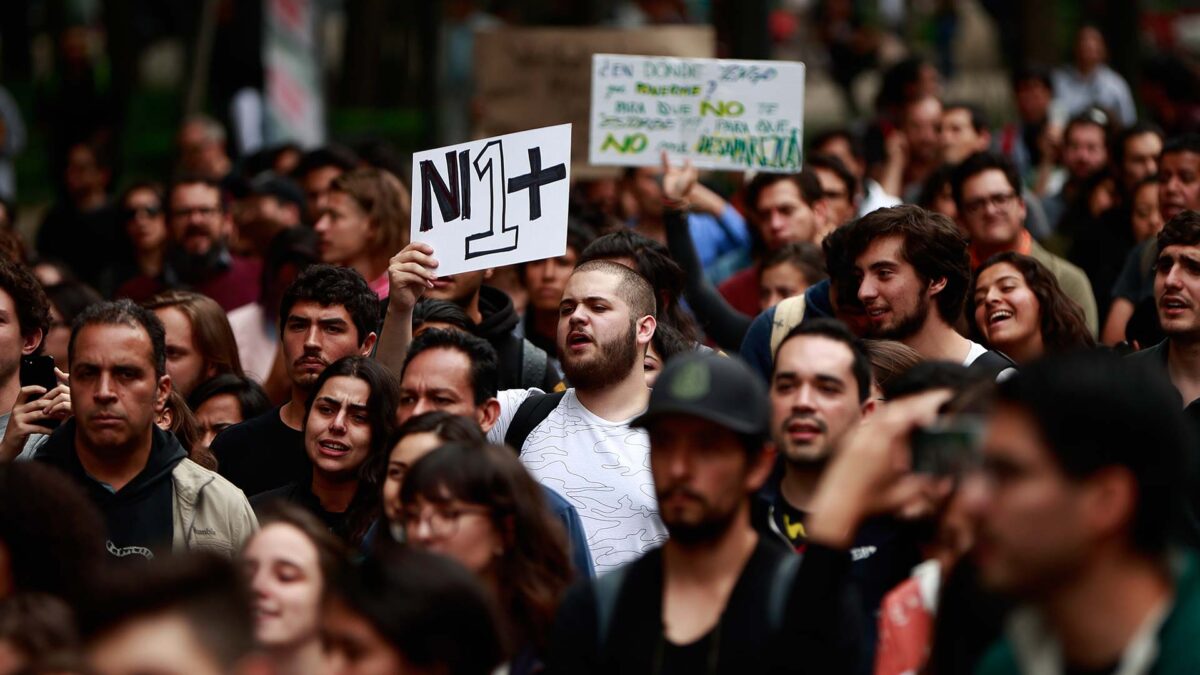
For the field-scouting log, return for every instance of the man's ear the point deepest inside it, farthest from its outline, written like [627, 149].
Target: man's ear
[30, 343]
[868, 407]
[487, 414]
[937, 286]
[163, 391]
[1110, 501]
[645, 327]
[368, 344]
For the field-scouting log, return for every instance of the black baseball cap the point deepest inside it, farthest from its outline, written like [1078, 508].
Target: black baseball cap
[720, 389]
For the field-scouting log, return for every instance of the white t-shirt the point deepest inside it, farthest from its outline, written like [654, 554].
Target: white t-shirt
[256, 340]
[602, 468]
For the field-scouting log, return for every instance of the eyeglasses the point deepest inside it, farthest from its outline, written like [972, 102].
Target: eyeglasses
[441, 521]
[1000, 201]
[186, 213]
[147, 211]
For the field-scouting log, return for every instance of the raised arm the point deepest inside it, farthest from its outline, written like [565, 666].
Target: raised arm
[410, 272]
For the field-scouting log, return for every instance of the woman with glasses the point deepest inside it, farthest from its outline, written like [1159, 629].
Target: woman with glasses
[1017, 307]
[289, 564]
[144, 226]
[347, 423]
[478, 505]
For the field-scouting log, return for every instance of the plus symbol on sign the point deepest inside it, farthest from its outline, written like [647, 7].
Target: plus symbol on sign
[535, 179]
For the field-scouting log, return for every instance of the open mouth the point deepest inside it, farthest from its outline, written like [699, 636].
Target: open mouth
[333, 448]
[803, 430]
[998, 316]
[1173, 305]
[577, 339]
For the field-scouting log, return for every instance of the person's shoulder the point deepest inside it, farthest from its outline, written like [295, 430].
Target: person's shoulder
[282, 493]
[1149, 354]
[260, 429]
[194, 478]
[738, 280]
[999, 659]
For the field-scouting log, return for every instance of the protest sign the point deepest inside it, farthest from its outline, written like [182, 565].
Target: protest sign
[535, 77]
[495, 201]
[721, 114]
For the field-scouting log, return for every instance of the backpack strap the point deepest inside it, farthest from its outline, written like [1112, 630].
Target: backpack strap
[992, 363]
[788, 314]
[529, 414]
[534, 362]
[781, 590]
[607, 589]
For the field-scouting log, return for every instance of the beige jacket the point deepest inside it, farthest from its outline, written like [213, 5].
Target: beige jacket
[209, 513]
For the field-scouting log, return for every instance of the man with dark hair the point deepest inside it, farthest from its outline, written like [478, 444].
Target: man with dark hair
[198, 256]
[784, 208]
[1177, 300]
[1135, 154]
[718, 596]
[82, 229]
[964, 131]
[456, 372]
[987, 191]
[24, 322]
[1076, 520]
[820, 389]
[326, 314]
[846, 146]
[453, 371]
[153, 498]
[1084, 155]
[224, 401]
[914, 273]
[914, 148]
[1037, 126]
[191, 614]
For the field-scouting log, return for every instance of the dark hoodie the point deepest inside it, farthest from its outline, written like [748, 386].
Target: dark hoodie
[498, 318]
[139, 515]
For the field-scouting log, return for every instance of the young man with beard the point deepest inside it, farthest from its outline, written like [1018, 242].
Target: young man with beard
[327, 313]
[914, 272]
[577, 442]
[199, 257]
[819, 391]
[1177, 298]
[716, 597]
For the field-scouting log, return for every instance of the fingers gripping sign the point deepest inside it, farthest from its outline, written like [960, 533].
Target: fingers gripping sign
[410, 273]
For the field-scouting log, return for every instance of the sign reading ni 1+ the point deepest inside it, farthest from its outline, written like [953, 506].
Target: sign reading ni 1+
[495, 201]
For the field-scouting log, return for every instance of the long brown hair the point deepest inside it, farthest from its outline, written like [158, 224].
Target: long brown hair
[210, 328]
[534, 570]
[1061, 321]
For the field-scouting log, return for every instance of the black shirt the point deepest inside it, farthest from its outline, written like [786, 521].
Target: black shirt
[261, 453]
[301, 493]
[817, 634]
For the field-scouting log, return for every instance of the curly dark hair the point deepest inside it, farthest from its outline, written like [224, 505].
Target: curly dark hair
[1181, 230]
[382, 403]
[534, 570]
[28, 296]
[329, 285]
[1061, 322]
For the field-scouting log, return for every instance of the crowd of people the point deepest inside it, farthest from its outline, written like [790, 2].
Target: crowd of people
[928, 405]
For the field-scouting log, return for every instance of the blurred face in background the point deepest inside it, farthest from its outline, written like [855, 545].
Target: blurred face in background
[144, 220]
[1146, 218]
[283, 568]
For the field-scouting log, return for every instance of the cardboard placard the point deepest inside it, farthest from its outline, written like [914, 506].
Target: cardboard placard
[719, 113]
[494, 202]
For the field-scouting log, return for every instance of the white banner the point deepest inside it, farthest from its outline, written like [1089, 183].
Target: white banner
[721, 114]
[494, 201]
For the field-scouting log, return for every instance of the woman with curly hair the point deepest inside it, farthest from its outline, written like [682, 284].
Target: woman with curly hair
[1018, 308]
[478, 505]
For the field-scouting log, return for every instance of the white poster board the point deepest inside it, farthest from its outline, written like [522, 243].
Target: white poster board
[495, 201]
[721, 114]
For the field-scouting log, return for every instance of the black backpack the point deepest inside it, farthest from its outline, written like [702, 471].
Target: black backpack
[529, 414]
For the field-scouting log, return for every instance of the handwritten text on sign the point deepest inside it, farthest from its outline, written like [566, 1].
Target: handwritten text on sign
[721, 114]
[495, 201]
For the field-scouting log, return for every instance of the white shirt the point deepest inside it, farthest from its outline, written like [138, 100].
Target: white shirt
[256, 340]
[602, 468]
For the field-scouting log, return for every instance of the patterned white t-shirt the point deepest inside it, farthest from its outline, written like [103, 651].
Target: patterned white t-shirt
[600, 467]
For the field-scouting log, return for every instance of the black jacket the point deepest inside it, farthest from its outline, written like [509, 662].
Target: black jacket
[498, 319]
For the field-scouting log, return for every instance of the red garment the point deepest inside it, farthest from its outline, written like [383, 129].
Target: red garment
[741, 291]
[905, 631]
[236, 286]
[1024, 246]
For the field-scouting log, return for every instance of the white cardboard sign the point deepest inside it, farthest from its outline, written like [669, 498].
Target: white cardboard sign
[719, 113]
[495, 201]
